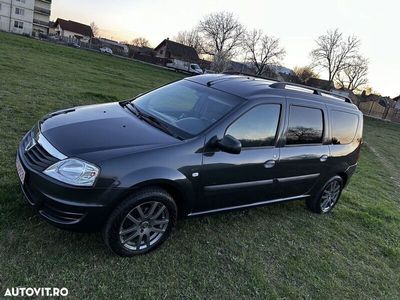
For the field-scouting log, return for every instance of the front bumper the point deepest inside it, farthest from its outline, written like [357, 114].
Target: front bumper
[62, 205]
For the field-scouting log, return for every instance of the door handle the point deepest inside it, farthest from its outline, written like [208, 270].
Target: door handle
[323, 158]
[269, 164]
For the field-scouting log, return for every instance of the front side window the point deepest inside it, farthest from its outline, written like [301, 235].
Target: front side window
[344, 127]
[306, 126]
[188, 107]
[257, 127]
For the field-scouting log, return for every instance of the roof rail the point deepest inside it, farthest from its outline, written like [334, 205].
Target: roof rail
[320, 92]
[249, 75]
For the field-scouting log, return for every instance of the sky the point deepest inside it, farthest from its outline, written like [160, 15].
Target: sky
[296, 22]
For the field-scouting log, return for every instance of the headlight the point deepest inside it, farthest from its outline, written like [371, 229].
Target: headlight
[73, 171]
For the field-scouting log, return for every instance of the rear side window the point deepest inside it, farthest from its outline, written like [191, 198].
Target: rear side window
[344, 127]
[306, 126]
[257, 127]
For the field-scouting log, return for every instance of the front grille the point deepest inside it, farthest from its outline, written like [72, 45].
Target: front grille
[36, 156]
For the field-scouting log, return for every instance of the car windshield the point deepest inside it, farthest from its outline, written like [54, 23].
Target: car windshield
[188, 107]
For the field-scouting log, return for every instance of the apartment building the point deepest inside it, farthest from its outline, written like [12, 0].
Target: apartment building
[29, 17]
[41, 17]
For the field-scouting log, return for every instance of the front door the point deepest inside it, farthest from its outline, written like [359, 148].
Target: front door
[231, 180]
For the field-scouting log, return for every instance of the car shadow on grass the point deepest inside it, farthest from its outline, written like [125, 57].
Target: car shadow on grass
[28, 232]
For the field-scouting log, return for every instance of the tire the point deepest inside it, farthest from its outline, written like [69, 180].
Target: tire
[327, 197]
[141, 223]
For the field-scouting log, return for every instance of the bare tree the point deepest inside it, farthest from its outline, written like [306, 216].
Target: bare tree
[95, 29]
[333, 52]
[305, 73]
[354, 76]
[222, 34]
[190, 38]
[263, 50]
[140, 42]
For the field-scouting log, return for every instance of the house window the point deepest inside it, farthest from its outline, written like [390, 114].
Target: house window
[18, 24]
[22, 1]
[19, 11]
[161, 51]
[0, 6]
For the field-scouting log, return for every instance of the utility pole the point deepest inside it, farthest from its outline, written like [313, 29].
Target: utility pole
[9, 24]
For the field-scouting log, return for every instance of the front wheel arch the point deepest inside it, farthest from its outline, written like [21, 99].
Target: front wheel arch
[182, 193]
[170, 187]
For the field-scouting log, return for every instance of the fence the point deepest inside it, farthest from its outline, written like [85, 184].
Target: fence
[377, 110]
[150, 59]
[117, 50]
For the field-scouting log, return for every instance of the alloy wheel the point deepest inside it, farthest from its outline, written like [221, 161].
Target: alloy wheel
[144, 225]
[330, 195]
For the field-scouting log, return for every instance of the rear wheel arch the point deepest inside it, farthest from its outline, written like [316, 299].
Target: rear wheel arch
[344, 177]
[314, 202]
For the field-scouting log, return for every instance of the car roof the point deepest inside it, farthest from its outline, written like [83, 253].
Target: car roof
[249, 87]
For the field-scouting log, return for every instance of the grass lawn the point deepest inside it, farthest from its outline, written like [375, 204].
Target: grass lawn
[279, 251]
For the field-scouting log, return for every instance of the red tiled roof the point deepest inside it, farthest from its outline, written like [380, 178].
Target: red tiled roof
[73, 26]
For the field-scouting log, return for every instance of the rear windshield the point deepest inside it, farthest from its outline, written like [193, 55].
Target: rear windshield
[187, 107]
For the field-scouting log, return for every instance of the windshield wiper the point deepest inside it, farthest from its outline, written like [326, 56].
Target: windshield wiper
[150, 119]
[160, 125]
[132, 108]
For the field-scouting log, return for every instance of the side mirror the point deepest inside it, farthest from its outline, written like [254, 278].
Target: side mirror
[229, 145]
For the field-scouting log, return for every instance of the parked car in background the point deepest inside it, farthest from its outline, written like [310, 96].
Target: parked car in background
[202, 145]
[75, 45]
[181, 65]
[106, 50]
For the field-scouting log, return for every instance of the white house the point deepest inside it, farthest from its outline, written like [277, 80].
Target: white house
[29, 17]
[72, 30]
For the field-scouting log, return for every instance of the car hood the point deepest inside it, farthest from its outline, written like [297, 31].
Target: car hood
[100, 131]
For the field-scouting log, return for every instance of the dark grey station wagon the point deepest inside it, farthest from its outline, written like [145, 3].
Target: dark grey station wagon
[202, 145]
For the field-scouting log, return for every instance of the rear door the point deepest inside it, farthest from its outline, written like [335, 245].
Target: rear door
[305, 152]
